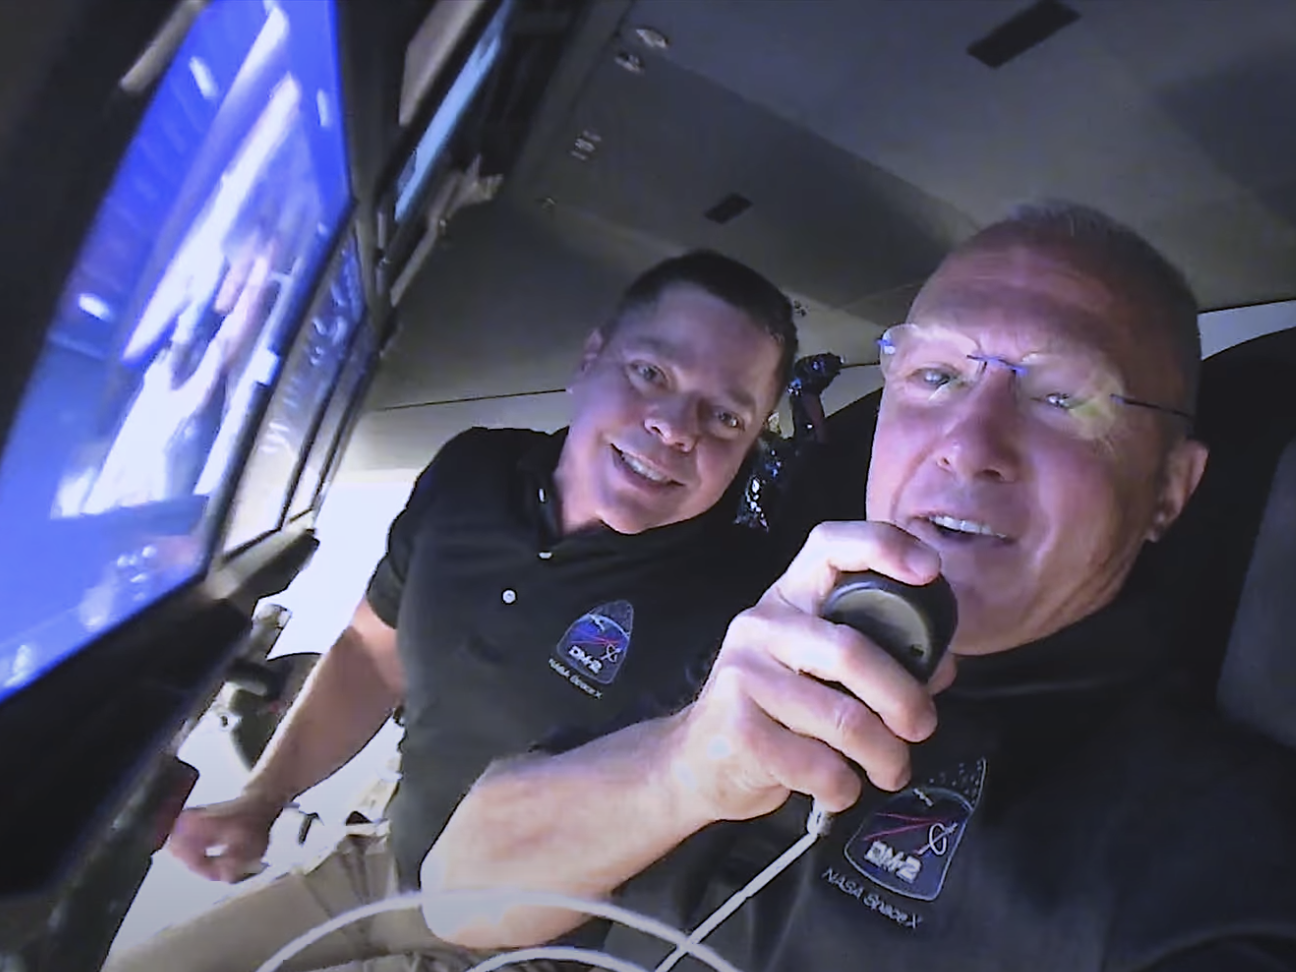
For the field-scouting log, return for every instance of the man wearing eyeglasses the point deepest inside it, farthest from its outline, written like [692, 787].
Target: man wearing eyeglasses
[1056, 806]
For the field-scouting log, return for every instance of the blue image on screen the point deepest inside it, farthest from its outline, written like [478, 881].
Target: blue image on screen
[309, 375]
[170, 329]
[335, 417]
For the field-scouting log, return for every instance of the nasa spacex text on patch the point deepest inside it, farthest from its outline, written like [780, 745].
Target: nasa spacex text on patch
[595, 645]
[906, 845]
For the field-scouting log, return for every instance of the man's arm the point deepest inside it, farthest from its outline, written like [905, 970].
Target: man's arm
[586, 821]
[349, 696]
[562, 823]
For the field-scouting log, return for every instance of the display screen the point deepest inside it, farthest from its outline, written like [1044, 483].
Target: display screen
[339, 409]
[414, 176]
[309, 375]
[171, 329]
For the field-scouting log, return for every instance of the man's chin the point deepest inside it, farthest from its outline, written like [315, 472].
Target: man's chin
[631, 518]
[984, 627]
[632, 521]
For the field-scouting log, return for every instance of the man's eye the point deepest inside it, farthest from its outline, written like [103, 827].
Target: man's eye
[932, 378]
[729, 420]
[649, 373]
[1062, 400]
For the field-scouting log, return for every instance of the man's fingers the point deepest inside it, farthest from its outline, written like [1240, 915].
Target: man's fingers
[944, 675]
[836, 653]
[235, 869]
[836, 548]
[213, 848]
[811, 709]
[805, 765]
[195, 857]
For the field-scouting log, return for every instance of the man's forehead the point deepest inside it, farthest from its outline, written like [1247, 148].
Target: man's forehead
[1028, 299]
[677, 312]
[670, 335]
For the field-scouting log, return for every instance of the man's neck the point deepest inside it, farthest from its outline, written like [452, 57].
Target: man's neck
[573, 514]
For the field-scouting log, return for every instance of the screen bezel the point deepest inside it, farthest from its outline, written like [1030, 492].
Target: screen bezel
[341, 434]
[355, 410]
[398, 240]
[345, 234]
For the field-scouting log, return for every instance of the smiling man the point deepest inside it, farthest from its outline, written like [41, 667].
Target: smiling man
[1060, 804]
[1038, 510]
[532, 581]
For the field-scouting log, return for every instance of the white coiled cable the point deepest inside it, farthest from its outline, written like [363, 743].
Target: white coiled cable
[507, 899]
[816, 826]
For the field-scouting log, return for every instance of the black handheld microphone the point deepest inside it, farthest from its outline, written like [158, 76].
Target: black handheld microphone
[913, 624]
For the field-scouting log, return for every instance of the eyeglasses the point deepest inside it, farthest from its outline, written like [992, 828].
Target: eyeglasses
[1074, 392]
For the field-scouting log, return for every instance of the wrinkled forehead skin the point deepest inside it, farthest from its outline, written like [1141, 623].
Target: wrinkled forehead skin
[1019, 293]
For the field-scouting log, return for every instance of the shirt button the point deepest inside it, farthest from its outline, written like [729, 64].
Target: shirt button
[546, 554]
[544, 496]
[509, 595]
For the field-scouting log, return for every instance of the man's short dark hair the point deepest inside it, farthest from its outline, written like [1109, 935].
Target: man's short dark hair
[737, 284]
[1099, 236]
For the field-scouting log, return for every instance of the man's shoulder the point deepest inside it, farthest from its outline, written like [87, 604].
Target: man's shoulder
[481, 452]
[477, 467]
[1197, 740]
[1205, 835]
[1181, 753]
[485, 445]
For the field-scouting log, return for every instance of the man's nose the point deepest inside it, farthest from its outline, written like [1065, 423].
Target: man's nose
[982, 437]
[674, 420]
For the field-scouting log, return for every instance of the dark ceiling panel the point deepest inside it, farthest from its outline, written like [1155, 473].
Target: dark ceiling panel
[868, 143]
[1157, 111]
[501, 307]
[823, 222]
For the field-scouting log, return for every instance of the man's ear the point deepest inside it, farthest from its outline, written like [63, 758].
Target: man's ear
[1183, 471]
[594, 345]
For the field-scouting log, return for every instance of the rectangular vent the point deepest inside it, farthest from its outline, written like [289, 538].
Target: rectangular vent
[1020, 33]
[730, 207]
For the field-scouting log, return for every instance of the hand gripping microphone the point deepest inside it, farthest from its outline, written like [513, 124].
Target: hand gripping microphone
[912, 624]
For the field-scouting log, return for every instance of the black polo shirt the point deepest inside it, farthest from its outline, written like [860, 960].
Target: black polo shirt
[507, 630]
[1073, 812]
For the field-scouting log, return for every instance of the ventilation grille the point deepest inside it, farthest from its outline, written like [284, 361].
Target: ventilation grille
[729, 208]
[1015, 36]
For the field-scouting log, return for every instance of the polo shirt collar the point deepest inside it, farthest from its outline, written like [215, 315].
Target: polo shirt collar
[1113, 647]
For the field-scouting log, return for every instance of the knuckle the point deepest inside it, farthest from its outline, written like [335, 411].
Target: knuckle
[913, 720]
[845, 784]
[744, 628]
[822, 533]
[891, 773]
[851, 722]
[840, 641]
[728, 681]
[750, 631]
[826, 535]
[828, 777]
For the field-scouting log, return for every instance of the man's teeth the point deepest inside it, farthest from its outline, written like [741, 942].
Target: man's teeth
[643, 470]
[965, 526]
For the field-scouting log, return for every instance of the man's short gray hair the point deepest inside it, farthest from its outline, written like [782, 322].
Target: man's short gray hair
[1112, 242]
